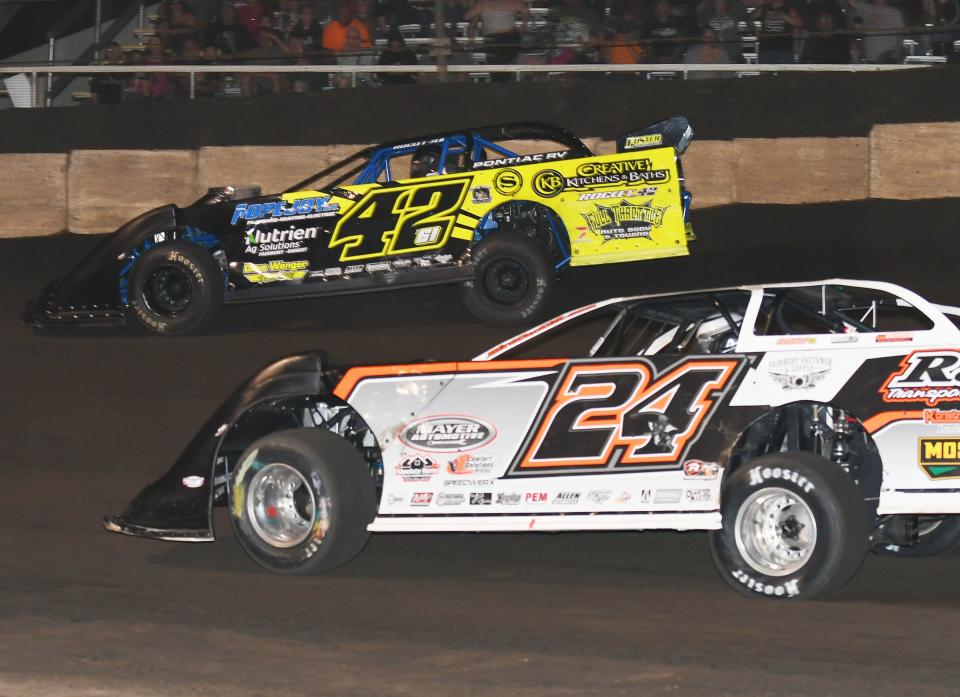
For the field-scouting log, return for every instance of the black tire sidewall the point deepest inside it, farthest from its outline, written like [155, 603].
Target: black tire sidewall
[827, 567]
[202, 269]
[941, 540]
[541, 278]
[349, 507]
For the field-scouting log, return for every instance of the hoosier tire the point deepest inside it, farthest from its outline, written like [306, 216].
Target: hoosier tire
[794, 526]
[513, 280]
[175, 288]
[301, 500]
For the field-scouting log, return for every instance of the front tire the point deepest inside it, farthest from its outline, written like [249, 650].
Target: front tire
[794, 526]
[175, 288]
[301, 500]
[935, 535]
[513, 280]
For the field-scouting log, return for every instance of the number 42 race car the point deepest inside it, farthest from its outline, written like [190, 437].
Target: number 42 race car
[499, 210]
[800, 424]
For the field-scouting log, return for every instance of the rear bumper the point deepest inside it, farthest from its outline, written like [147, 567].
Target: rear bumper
[43, 311]
[118, 524]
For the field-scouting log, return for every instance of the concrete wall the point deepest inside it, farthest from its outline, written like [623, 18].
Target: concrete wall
[91, 191]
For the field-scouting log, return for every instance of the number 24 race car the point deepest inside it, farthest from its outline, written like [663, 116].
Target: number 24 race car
[799, 424]
[468, 207]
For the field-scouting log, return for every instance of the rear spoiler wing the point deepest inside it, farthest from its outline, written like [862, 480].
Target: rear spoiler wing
[675, 132]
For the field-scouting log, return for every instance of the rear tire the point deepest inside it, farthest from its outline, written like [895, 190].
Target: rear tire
[936, 535]
[301, 501]
[175, 288]
[514, 280]
[794, 526]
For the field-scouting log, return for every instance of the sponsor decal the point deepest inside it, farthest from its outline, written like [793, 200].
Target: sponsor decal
[625, 220]
[393, 499]
[274, 271]
[893, 338]
[844, 338]
[925, 376]
[193, 482]
[447, 499]
[623, 497]
[548, 183]
[521, 159]
[940, 457]
[257, 213]
[789, 588]
[379, 266]
[936, 416]
[418, 143]
[535, 497]
[698, 469]
[619, 193]
[796, 341]
[668, 496]
[427, 235]
[471, 464]
[760, 475]
[635, 142]
[508, 182]
[160, 237]
[353, 268]
[481, 498]
[480, 194]
[646, 495]
[448, 433]
[624, 172]
[799, 372]
[417, 469]
[599, 496]
[468, 482]
[697, 495]
[511, 499]
[421, 498]
[567, 497]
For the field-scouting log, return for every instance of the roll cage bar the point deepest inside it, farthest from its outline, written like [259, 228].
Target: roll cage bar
[369, 163]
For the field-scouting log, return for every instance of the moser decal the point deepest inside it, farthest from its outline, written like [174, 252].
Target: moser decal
[799, 372]
[940, 457]
[925, 376]
[625, 220]
[521, 159]
[448, 433]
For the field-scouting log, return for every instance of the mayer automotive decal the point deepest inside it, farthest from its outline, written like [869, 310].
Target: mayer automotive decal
[620, 416]
[930, 377]
[448, 434]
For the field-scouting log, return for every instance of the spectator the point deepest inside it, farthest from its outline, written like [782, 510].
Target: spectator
[270, 50]
[226, 33]
[826, 46]
[363, 14]
[501, 39]
[939, 14]
[249, 13]
[106, 88]
[708, 51]
[664, 30]
[622, 48]
[722, 17]
[346, 30]
[286, 16]
[576, 33]
[882, 25]
[777, 24]
[308, 29]
[390, 14]
[160, 85]
[397, 53]
[183, 20]
[309, 81]
[137, 87]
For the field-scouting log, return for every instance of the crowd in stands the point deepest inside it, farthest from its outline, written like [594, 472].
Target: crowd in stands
[563, 32]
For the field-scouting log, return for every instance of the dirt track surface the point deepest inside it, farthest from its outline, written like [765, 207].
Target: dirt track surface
[88, 417]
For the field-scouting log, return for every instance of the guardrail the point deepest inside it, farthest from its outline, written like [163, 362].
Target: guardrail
[683, 69]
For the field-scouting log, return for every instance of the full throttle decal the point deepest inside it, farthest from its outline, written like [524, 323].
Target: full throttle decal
[930, 377]
[624, 416]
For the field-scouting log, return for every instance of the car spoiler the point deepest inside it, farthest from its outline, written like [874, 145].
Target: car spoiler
[675, 132]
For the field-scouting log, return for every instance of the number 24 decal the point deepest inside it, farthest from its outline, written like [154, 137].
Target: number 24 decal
[398, 220]
[600, 409]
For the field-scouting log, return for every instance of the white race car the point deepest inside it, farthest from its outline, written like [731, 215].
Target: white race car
[800, 423]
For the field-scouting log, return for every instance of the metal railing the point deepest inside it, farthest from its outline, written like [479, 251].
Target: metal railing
[680, 69]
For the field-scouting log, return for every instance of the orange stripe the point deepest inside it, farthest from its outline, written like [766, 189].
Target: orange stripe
[349, 382]
[884, 418]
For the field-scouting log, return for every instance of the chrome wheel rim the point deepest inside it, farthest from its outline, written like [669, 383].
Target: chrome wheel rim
[775, 532]
[281, 506]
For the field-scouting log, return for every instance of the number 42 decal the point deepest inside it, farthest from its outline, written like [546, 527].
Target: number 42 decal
[621, 415]
[400, 219]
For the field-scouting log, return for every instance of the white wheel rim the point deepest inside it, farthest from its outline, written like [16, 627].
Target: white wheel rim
[775, 532]
[281, 506]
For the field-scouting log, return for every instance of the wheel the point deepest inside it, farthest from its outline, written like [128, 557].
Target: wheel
[794, 526]
[176, 287]
[935, 535]
[513, 280]
[301, 500]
